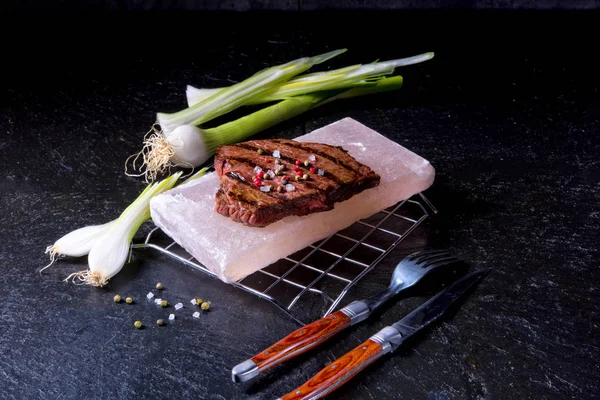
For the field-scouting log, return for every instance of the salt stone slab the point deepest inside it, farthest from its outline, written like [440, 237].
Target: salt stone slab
[233, 251]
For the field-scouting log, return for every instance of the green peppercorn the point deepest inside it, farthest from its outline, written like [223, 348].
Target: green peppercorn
[205, 306]
[199, 301]
[160, 322]
[277, 172]
[260, 151]
[138, 324]
[270, 187]
[164, 303]
[306, 163]
[305, 177]
[117, 299]
[159, 286]
[129, 300]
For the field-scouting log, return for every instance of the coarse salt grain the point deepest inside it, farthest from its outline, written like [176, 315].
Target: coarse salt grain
[257, 169]
[271, 174]
[276, 154]
[171, 317]
[193, 301]
[157, 301]
[312, 157]
[265, 188]
[196, 314]
[289, 187]
[178, 306]
[150, 295]
[320, 172]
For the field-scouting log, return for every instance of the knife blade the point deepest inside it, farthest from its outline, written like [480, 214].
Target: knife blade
[385, 341]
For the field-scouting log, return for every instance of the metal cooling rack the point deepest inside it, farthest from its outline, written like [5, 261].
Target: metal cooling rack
[324, 271]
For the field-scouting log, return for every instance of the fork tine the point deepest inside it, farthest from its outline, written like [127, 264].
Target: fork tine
[424, 253]
[429, 255]
[441, 262]
[434, 257]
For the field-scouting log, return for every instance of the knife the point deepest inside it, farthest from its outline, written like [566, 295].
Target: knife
[385, 341]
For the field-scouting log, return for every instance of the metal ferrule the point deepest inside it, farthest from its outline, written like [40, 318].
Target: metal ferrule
[357, 311]
[244, 371]
[389, 338]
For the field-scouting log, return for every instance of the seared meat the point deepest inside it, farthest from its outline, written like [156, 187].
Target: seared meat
[333, 176]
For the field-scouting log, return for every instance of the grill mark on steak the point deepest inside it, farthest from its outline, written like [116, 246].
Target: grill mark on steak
[292, 162]
[319, 153]
[288, 168]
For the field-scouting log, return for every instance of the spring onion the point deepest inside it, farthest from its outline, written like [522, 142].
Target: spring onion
[80, 241]
[198, 145]
[109, 253]
[181, 135]
[76, 243]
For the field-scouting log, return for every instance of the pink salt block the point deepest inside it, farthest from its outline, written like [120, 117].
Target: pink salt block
[233, 251]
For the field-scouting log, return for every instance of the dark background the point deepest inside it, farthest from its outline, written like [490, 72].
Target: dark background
[298, 5]
[507, 112]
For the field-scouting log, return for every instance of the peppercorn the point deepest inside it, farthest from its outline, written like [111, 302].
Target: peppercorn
[284, 181]
[205, 306]
[298, 162]
[278, 161]
[305, 177]
[160, 322]
[298, 177]
[306, 163]
[117, 299]
[280, 189]
[199, 301]
[312, 170]
[138, 324]
[159, 286]
[260, 174]
[278, 172]
[129, 300]
[164, 303]
[260, 151]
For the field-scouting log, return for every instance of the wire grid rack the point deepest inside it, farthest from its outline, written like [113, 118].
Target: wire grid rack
[319, 276]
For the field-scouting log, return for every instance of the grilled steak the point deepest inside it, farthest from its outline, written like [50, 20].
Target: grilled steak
[252, 194]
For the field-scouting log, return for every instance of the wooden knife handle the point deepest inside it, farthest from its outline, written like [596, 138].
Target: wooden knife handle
[297, 342]
[337, 373]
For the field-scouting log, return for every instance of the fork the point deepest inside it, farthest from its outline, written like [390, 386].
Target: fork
[407, 273]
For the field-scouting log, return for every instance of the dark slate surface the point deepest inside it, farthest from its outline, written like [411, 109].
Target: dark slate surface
[507, 112]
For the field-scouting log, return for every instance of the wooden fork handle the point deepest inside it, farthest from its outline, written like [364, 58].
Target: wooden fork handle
[297, 342]
[337, 373]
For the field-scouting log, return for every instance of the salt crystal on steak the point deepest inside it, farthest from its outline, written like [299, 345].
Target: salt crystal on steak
[186, 213]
